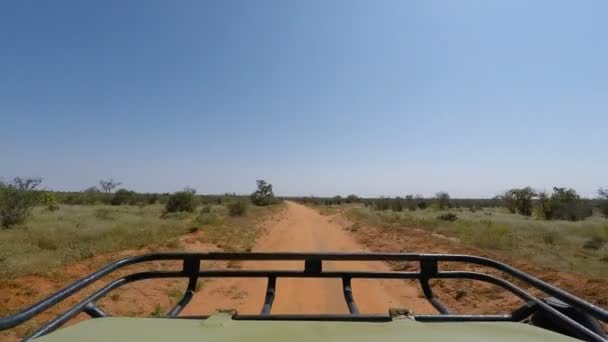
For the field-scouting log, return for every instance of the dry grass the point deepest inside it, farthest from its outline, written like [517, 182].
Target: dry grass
[574, 246]
[234, 233]
[76, 232]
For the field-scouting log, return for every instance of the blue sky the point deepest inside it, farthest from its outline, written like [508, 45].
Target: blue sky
[318, 97]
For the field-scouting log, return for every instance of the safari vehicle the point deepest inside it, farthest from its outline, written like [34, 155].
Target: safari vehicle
[558, 317]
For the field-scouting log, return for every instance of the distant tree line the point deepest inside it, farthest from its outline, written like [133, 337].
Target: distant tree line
[560, 204]
[19, 197]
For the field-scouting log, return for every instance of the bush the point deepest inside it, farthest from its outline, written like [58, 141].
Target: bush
[17, 201]
[237, 208]
[447, 217]
[564, 204]
[181, 201]
[519, 200]
[122, 197]
[263, 195]
[422, 204]
[382, 204]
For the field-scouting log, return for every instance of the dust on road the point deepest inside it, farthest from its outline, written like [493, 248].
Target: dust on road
[302, 229]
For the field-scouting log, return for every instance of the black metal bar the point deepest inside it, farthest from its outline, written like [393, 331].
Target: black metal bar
[269, 298]
[94, 311]
[13, 320]
[313, 269]
[525, 296]
[80, 306]
[191, 267]
[428, 269]
[348, 296]
[524, 311]
[301, 274]
[313, 265]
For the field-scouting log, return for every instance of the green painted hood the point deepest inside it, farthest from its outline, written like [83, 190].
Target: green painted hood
[221, 327]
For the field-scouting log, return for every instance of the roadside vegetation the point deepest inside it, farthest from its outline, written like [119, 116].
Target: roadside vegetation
[42, 230]
[559, 230]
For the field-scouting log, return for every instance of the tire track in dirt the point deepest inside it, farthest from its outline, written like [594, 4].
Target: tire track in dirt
[302, 229]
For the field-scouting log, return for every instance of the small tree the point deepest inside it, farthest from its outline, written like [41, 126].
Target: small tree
[108, 185]
[263, 195]
[566, 204]
[508, 201]
[421, 202]
[26, 184]
[181, 201]
[91, 195]
[543, 208]
[17, 200]
[443, 200]
[519, 200]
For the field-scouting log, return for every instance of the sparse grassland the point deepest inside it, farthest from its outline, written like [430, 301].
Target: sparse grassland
[580, 247]
[75, 232]
[233, 233]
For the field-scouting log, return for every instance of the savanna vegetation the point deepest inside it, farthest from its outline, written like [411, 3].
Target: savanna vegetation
[558, 229]
[44, 229]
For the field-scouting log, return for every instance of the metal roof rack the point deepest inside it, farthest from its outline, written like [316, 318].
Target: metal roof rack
[313, 268]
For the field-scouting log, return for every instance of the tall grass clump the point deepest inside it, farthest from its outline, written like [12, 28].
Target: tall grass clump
[237, 207]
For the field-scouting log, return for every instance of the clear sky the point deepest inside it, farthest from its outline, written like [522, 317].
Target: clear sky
[317, 97]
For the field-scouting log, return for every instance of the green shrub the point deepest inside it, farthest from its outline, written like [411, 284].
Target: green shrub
[564, 204]
[237, 208]
[17, 201]
[181, 201]
[422, 204]
[263, 195]
[451, 217]
[519, 200]
[123, 196]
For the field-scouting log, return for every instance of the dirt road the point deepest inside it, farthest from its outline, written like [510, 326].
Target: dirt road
[302, 229]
